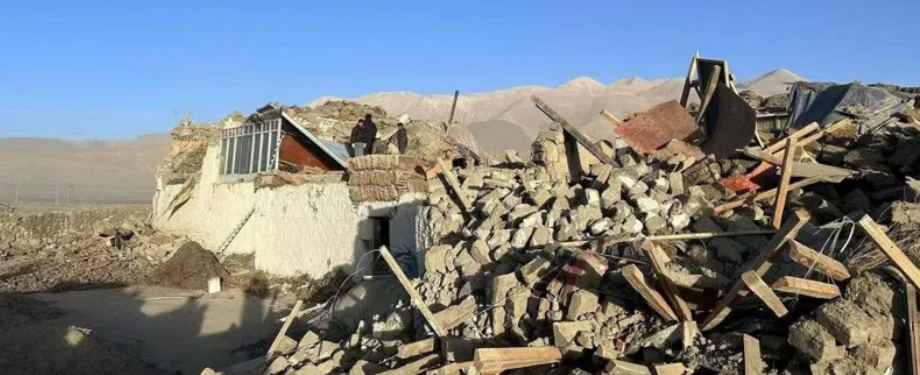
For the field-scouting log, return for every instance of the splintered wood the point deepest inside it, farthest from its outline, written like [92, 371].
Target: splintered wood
[636, 280]
[657, 259]
[780, 204]
[753, 364]
[809, 258]
[762, 291]
[760, 266]
[494, 361]
[805, 287]
[413, 294]
[284, 327]
[413, 349]
[766, 195]
[891, 251]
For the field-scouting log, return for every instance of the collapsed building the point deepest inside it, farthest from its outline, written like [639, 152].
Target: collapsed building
[731, 238]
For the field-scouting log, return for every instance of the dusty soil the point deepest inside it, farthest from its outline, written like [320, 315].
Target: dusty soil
[190, 268]
[63, 271]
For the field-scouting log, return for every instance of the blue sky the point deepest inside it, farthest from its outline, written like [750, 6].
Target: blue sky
[117, 69]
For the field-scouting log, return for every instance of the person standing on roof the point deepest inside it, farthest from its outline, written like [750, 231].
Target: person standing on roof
[356, 140]
[402, 138]
[370, 134]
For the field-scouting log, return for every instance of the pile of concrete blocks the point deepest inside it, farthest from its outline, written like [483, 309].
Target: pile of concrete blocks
[384, 178]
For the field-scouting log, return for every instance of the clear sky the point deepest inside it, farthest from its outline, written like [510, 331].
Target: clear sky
[117, 69]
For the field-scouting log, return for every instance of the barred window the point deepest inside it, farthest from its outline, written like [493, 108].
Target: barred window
[250, 148]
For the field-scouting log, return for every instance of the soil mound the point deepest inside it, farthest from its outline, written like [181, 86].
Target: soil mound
[190, 268]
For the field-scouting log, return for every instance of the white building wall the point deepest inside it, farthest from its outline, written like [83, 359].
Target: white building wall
[310, 228]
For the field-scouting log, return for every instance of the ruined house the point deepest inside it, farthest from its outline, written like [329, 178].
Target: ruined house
[269, 187]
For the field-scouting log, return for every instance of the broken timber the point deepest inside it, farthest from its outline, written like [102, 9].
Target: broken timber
[416, 367]
[760, 266]
[688, 82]
[780, 204]
[667, 237]
[580, 137]
[420, 347]
[710, 91]
[494, 360]
[753, 364]
[891, 251]
[455, 185]
[766, 195]
[284, 328]
[637, 281]
[763, 291]
[802, 169]
[611, 117]
[657, 259]
[805, 287]
[413, 294]
[807, 257]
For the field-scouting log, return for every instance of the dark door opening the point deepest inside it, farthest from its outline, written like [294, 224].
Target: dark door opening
[380, 237]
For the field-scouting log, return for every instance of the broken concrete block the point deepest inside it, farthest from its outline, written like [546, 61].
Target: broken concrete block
[564, 333]
[363, 367]
[655, 224]
[534, 270]
[878, 356]
[598, 227]
[679, 221]
[676, 181]
[583, 302]
[437, 258]
[632, 225]
[480, 251]
[648, 205]
[516, 305]
[521, 237]
[501, 286]
[846, 322]
[815, 341]
[308, 340]
[519, 212]
[592, 197]
[532, 220]
[499, 237]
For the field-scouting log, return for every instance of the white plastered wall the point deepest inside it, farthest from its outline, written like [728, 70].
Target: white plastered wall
[310, 228]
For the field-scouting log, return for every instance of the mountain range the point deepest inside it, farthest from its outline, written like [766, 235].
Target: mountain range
[122, 171]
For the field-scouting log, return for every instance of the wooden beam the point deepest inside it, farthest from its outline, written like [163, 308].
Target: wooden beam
[816, 136]
[670, 369]
[763, 291]
[611, 117]
[710, 91]
[779, 205]
[894, 254]
[780, 145]
[618, 367]
[805, 287]
[453, 107]
[636, 280]
[496, 360]
[667, 237]
[454, 185]
[801, 169]
[284, 327]
[766, 195]
[753, 363]
[657, 258]
[420, 347]
[413, 294]
[760, 266]
[688, 83]
[913, 328]
[416, 367]
[580, 137]
[809, 258]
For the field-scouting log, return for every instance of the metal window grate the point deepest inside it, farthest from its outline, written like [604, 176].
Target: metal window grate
[250, 148]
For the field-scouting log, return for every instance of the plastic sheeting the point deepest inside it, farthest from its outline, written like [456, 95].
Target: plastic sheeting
[827, 103]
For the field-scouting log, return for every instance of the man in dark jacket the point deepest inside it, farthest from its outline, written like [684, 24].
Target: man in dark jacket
[370, 134]
[357, 136]
[402, 138]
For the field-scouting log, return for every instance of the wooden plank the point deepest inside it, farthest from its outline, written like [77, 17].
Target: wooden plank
[913, 328]
[580, 137]
[611, 117]
[618, 367]
[454, 368]
[779, 205]
[636, 280]
[766, 195]
[817, 135]
[801, 169]
[760, 265]
[657, 258]
[753, 363]
[710, 91]
[284, 327]
[688, 83]
[812, 259]
[454, 185]
[763, 291]
[780, 145]
[420, 347]
[496, 360]
[894, 254]
[670, 369]
[453, 107]
[413, 294]
[805, 287]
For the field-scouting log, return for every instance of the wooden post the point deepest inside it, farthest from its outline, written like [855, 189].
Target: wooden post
[657, 259]
[779, 204]
[284, 327]
[688, 82]
[766, 195]
[413, 294]
[762, 291]
[894, 254]
[913, 325]
[453, 107]
[753, 364]
[637, 281]
[495, 360]
[710, 91]
[809, 258]
[611, 117]
[760, 266]
[454, 185]
[575, 133]
[805, 287]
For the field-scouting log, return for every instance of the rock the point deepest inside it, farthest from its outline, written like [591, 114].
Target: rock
[727, 249]
[277, 366]
[592, 197]
[598, 227]
[815, 341]
[516, 304]
[437, 258]
[480, 251]
[706, 225]
[363, 367]
[499, 237]
[878, 356]
[679, 221]
[648, 205]
[521, 237]
[583, 302]
[534, 270]
[655, 223]
[309, 340]
[632, 225]
[846, 322]
[905, 215]
[540, 237]
[564, 333]
[501, 285]
[676, 181]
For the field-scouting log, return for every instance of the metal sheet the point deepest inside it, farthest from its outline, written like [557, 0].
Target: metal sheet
[653, 129]
[731, 123]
